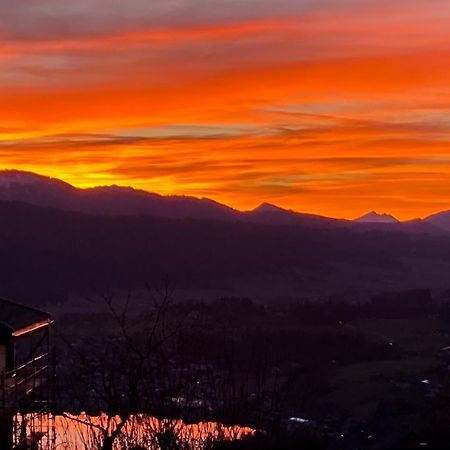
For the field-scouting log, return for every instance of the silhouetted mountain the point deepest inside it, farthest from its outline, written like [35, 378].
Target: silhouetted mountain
[125, 201]
[440, 220]
[110, 200]
[419, 226]
[385, 222]
[114, 200]
[374, 217]
[271, 214]
[268, 208]
[48, 254]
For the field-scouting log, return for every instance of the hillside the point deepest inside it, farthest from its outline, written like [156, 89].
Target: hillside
[48, 254]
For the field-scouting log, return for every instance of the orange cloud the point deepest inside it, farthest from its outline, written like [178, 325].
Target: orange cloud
[323, 112]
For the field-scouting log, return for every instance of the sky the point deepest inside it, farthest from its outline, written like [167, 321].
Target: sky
[334, 107]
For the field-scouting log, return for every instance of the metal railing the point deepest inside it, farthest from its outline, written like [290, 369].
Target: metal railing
[26, 401]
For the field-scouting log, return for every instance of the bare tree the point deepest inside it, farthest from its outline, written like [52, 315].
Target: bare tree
[152, 365]
[116, 373]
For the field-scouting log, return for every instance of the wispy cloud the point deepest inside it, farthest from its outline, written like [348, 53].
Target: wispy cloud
[328, 106]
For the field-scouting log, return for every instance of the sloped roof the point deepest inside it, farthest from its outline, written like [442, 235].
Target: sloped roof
[19, 319]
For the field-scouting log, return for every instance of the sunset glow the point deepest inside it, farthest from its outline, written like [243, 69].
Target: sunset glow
[329, 107]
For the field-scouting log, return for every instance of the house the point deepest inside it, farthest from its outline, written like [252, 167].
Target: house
[26, 373]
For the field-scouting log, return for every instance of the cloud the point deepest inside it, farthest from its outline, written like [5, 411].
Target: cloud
[329, 106]
[49, 19]
[245, 169]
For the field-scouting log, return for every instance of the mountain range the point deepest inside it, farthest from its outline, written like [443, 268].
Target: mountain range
[59, 243]
[115, 200]
[374, 217]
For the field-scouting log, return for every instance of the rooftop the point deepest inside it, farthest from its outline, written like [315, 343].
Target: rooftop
[19, 319]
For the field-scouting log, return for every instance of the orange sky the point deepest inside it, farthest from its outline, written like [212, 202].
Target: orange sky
[330, 107]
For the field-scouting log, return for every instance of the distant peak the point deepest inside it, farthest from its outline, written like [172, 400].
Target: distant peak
[11, 177]
[268, 207]
[8, 177]
[374, 217]
[19, 175]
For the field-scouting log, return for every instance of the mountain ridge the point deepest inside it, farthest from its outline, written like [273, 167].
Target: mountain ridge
[374, 217]
[41, 190]
[124, 200]
[49, 255]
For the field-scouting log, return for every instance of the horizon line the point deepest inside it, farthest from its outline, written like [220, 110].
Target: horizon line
[258, 205]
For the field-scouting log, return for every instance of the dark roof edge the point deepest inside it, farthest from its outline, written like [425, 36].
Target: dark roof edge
[30, 308]
[33, 327]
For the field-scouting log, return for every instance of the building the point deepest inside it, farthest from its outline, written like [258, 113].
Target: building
[26, 375]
